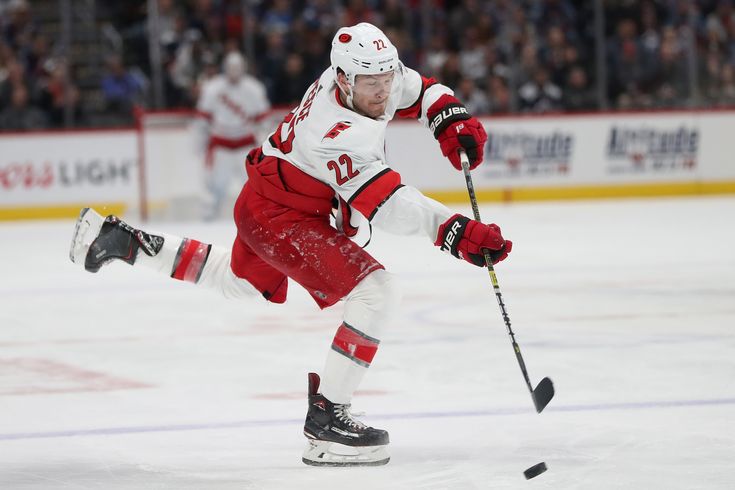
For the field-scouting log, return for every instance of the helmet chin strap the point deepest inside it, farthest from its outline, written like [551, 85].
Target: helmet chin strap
[348, 95]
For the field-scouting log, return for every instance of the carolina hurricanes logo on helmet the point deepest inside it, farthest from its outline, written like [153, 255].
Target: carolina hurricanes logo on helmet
[345, 38]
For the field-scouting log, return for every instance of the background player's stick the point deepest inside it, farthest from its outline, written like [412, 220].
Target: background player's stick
[544, 392]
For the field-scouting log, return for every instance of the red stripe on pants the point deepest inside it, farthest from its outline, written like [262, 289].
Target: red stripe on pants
[355, 345]
[190, 260]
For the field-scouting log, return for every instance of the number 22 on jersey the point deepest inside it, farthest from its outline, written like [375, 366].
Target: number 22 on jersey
[343, 170]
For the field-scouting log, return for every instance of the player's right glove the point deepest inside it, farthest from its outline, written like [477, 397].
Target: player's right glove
[466, 238]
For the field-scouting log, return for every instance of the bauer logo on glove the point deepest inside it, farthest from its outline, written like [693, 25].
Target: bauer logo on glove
[456, 129]
[448, 114]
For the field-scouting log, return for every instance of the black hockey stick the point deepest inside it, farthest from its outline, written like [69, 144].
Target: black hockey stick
[544, 392]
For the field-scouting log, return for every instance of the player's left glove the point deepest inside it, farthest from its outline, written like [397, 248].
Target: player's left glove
[466, 239]
[456, 129]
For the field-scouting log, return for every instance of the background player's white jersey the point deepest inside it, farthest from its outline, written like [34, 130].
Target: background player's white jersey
[232, 108]
[337, 145]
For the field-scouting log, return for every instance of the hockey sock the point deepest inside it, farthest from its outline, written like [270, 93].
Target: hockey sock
[193, 261]
[368, 308]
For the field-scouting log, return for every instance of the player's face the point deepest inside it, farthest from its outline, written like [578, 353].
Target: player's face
[370, 93]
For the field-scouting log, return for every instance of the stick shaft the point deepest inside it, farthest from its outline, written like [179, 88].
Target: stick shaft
[493, 277]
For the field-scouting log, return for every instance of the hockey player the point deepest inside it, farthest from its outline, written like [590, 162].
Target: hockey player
[328, 152]
[230, 107]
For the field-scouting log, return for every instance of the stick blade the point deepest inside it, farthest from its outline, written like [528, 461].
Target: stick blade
[543, 394]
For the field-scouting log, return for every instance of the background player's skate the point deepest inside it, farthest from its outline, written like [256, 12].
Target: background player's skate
[338, 439]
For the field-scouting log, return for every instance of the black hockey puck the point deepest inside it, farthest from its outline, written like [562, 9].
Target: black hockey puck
[535, 470]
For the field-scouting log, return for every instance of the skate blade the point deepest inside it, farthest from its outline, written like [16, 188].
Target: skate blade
[86, 230]
[325, 453]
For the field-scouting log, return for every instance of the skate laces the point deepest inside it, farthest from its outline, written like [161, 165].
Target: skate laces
[344, 414]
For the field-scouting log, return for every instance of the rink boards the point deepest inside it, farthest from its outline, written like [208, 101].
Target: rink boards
[53, 173]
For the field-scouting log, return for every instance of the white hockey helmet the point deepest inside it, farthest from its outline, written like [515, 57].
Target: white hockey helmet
[234, 66]
[362, 49]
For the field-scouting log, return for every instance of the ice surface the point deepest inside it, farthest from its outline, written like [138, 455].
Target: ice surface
[125, 379]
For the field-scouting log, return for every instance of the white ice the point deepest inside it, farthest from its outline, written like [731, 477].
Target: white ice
[129, 380]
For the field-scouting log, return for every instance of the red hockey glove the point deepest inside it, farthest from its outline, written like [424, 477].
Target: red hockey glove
[466, 238]
[455, 129]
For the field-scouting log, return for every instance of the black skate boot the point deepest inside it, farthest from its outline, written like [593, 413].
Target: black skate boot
[98, 241]
[338, 439]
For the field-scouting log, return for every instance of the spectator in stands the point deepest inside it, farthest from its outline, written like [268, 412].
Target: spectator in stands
[461, 18]
[528, 65]
[553, 54]
[19, 28]
[20, 115]
[671, 83]
[6, 58]
[540, 94]
[435, 56]
[494, 62]
[719, 23]
[359, 11]
[56, 92]
[395, 15]
[173, 31]
[710, 77]
[278, 17]
[473, 98]
[499, 96]
[472, 55]
[15, 77]
[121, 90]
[560, 13]
[36, 55]
[727, 86]
[450, 74]
[292, 82]
[578, 96]
[190, 59]
[517, 33]
[316, 53]
[650, 37]
[272, 60]
[624, 68]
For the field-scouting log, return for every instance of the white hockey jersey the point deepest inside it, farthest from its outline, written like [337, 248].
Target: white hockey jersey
[346, 150]
[232, 109]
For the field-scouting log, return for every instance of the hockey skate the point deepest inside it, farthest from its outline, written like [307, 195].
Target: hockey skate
[98, 241]
[338, 439]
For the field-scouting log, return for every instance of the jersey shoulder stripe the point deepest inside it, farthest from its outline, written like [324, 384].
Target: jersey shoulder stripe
[414, 110]
[374, 192]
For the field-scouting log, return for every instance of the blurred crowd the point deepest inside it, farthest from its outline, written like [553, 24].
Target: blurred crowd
[500, 56]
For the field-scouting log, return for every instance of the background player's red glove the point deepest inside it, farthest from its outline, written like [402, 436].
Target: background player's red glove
[465, 238]
[455, 128]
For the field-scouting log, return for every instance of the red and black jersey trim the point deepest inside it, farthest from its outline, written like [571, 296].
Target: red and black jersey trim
[375, 192]
[414, 110]
[339, 99]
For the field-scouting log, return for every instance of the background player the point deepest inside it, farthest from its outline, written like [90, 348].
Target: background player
[329, 152]
[231, 106]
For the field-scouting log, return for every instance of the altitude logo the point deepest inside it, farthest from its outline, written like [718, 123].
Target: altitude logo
[646, 149]
[528, 154]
